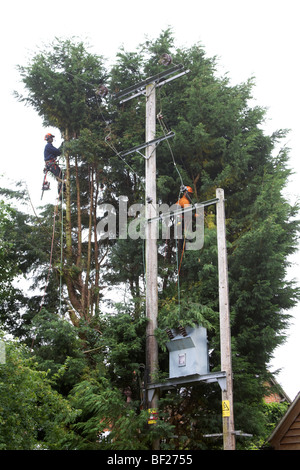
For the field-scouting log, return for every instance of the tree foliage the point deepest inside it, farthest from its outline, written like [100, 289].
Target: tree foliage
[32, 415]
[94, 348]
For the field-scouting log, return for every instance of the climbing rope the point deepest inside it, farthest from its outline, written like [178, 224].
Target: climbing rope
[51, 254]
[60, 197]
[101, 92]
[165, 129]
[61, 242]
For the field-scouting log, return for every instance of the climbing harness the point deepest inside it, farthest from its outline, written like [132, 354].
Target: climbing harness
[52, 166]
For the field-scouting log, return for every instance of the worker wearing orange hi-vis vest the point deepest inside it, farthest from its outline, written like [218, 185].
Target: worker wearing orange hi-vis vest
[185, 199]
[184, 202]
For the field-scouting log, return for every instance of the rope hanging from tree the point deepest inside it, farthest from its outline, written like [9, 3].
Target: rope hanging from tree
[101, 92]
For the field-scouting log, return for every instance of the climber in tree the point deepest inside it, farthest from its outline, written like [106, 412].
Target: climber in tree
[50, 155]
[184, 202]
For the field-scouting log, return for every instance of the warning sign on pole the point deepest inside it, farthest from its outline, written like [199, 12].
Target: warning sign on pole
[225, 408]
[152, 415]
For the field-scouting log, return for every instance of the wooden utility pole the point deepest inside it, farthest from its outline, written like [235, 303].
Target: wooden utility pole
[148, 88]
[225, 335]
[151, 243]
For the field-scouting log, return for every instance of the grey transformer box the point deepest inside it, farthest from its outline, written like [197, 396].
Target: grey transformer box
[188, 360]
[188, 351]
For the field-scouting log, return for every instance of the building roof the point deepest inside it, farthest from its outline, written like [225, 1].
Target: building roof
[286, 435]
[277, 394]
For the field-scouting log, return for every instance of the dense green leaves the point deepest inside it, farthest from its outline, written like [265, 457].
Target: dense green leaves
[219, 142]
[32, 414]
[7, 268]
[61, 83]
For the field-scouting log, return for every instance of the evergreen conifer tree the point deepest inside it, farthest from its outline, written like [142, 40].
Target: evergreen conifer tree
[219, 142]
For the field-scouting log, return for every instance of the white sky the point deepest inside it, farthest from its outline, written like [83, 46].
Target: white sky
[258, 38]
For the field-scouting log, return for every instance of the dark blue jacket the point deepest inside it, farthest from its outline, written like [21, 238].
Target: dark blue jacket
[50, 152]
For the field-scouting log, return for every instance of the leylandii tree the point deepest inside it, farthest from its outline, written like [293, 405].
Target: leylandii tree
[32, 415]
[61, 83]
[219, 142]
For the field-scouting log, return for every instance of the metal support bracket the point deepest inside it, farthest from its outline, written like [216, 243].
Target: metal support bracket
[186, 209]
[151, 393]
[223, 383]
[139, 89]
[236, 433]
[147, 144]
[174, 382]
